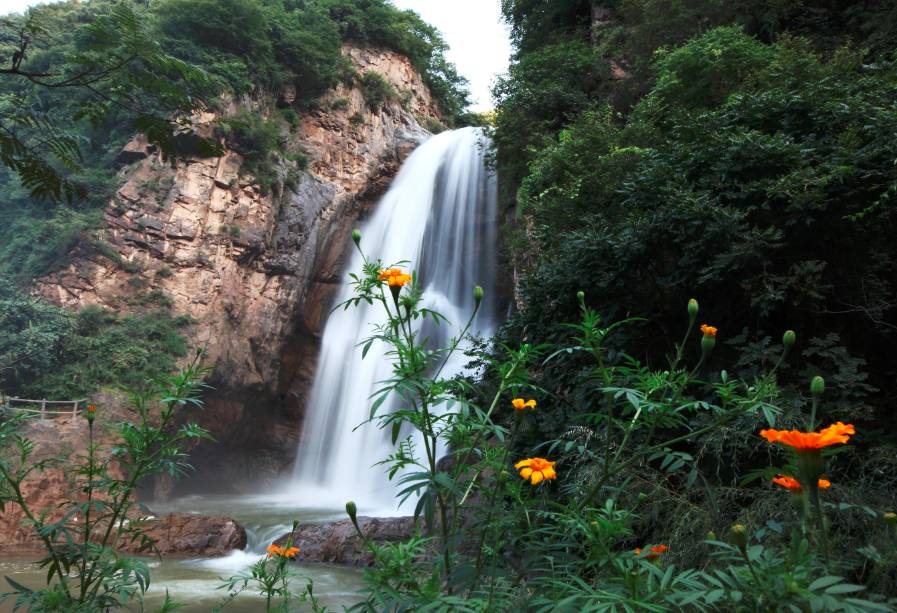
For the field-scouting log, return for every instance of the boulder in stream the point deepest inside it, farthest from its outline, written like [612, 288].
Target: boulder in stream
[338, 543]
[188, 535]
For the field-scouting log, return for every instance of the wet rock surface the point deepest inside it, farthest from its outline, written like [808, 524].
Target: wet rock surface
[188, 535]
[338, 542]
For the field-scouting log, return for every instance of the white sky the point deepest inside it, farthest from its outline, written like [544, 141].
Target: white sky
[478, 39]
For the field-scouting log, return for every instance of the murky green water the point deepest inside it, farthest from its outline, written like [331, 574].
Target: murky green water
[196, 582]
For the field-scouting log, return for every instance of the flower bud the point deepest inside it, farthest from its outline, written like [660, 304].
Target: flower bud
[890, 519]
[817, 386]
[707, 344]
[711, 536]
[692, 309]
[351, 510]
[91, 412]
[788, 339]
[477, 295]
[724, 376]
[581, 297]
[356, 236]
[739, 535]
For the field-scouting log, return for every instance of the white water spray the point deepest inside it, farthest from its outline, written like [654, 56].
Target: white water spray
[440, 215]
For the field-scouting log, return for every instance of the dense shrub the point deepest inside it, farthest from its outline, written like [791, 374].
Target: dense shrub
[724, 191]
[49, 352]
[377, 90]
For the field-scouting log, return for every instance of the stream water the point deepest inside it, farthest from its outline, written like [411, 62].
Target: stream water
[196, 582]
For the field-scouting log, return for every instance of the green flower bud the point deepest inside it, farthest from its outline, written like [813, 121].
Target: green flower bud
[890, 519]
[711, 536]
[351, 510]
[788, 339]
[477, 295]
[692, 309]
[707, 344]
[356, 236]
[724, 376]
[817, 386]
[581, 297]
[739, 535]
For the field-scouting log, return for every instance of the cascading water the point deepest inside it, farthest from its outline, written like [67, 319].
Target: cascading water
[439, 215]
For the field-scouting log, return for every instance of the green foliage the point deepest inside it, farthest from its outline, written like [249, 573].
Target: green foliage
[542, 92]
[575, 537]
[377, 90]
[47, 352]
[86, 571]
[117, 71]
[724, 191]
[32, 335]
[378, 23]
[258, 140]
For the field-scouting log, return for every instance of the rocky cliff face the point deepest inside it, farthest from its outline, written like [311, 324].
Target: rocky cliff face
[257, 273]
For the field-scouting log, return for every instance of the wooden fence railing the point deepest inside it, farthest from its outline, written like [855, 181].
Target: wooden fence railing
[44, 408]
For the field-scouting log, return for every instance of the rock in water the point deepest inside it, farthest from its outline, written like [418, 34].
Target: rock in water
[338, 542]
[186, 535]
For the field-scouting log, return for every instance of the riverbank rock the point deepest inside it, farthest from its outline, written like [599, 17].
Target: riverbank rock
[192, 536]
[338, 542]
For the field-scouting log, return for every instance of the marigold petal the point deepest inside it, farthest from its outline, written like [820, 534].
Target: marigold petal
[521, 463]
[549, 473]
[824, 484]
[526, 472]
[536, 478]
[789, 483]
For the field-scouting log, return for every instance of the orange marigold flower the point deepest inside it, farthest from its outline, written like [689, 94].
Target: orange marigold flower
[274, 550]
[805, 441]
[535, 470]
[521, 404]
[282, 552]
[793, 485]
[91, 409]
[394, 277]
[655, 551]
[708, 330]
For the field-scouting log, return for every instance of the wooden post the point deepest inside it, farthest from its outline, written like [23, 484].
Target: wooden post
[74, 409]
[43, 408]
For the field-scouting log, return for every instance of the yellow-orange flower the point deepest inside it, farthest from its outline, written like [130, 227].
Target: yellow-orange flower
[394, 277]
[708, 330]
[655, 551]
[91, 409]
[282, 552]
[521, 404]
[805, 441]
[536, 470]
[793, 485]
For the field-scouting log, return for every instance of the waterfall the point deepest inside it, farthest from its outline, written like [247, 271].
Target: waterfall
[440, 215]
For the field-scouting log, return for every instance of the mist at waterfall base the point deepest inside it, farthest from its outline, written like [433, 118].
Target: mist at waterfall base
[439, 216]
